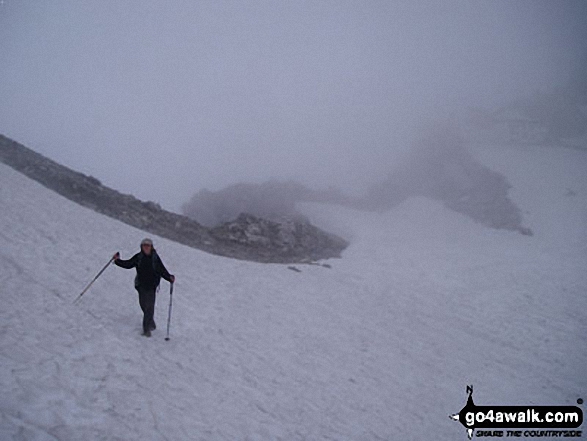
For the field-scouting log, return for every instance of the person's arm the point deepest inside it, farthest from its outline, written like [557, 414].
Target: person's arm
[126, 264]
[164, 273]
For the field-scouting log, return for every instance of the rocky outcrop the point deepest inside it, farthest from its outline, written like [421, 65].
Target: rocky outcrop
[269, 200]
[441, 168]
[149, 216]
[296, 240]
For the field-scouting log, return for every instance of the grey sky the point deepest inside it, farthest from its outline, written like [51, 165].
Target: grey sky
[161, 98]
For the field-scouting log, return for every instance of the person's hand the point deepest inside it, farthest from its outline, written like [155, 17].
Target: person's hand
[172, 279]
[116, 256]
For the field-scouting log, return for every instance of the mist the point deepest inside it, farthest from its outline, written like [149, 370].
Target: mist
[162, 99]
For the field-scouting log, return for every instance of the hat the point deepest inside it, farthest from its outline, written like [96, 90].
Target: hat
[146, 241]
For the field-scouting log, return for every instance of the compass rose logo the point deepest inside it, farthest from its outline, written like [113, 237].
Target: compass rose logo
[469, 407]
[518, 417]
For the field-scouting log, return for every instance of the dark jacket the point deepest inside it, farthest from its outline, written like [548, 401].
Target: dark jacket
[150, 269]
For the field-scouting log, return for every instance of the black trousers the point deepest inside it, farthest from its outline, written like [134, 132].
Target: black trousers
[147, 302]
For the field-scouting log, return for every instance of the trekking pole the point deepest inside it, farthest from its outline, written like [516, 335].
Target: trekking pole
[169, 315]
[93, 280]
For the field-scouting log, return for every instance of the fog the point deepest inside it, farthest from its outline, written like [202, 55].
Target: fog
[161, 99]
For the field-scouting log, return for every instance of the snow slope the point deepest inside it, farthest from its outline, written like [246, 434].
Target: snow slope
[381, 346]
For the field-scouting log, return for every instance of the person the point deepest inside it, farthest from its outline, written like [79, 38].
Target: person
[150, 269]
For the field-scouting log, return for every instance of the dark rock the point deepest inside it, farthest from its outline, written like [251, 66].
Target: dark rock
[246, 238]
[269, 200]
[442, 168]
[295, 240]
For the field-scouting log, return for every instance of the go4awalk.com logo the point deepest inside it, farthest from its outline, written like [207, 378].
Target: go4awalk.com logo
[519, 421]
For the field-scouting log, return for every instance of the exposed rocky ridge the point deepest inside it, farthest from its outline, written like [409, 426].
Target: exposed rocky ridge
[439, 167]
[270, 200]
[298, 238]
[285, 242]
[442, 168]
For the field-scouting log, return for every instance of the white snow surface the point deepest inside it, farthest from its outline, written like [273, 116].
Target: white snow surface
[380, 347]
